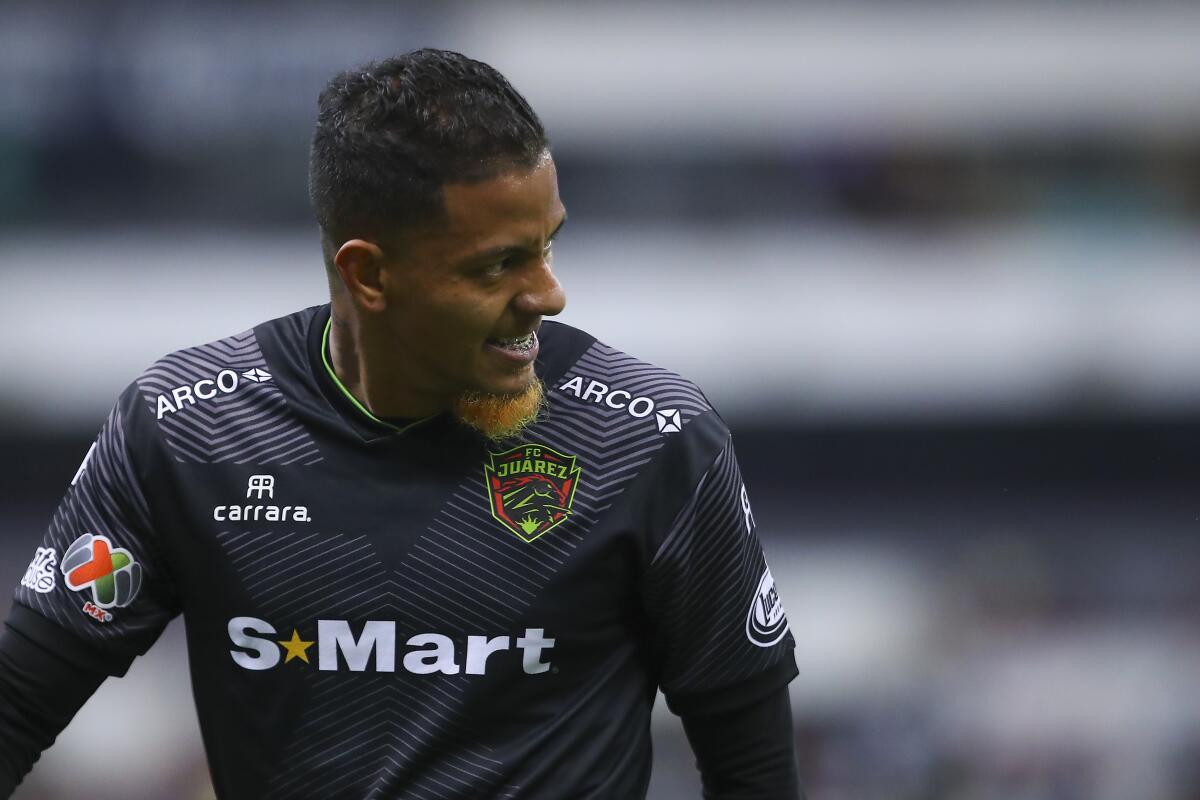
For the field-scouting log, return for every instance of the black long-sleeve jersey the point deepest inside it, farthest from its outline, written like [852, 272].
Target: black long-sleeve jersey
[381, 610]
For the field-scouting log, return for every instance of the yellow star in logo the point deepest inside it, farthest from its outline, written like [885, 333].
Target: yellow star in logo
[296, 648]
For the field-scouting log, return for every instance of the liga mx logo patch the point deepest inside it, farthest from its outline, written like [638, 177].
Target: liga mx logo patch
[531, 488]
[91, 562]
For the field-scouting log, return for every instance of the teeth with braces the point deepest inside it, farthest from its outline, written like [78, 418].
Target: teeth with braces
[519, 343]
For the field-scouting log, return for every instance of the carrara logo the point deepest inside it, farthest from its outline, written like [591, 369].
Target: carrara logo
[260, 487]
[766, 623]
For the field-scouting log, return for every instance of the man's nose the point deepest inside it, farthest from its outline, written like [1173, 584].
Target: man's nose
[542, 295]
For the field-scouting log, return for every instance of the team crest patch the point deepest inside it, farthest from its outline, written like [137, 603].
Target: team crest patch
[531, 488]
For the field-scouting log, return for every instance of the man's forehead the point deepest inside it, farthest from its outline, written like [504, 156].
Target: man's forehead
[514, 199]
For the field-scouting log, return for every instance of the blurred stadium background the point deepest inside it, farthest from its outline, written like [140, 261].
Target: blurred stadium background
[937, 263]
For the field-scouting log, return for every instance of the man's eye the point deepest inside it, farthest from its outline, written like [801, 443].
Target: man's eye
[495, 270]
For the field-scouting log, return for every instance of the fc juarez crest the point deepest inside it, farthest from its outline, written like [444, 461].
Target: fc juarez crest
[531, 488]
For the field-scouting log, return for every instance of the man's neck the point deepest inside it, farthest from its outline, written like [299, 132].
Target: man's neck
[347, 355]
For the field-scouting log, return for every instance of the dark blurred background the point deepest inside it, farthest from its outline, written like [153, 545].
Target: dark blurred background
[937, 263]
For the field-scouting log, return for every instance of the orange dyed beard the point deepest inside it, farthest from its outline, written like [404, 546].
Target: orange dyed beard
[501, 416]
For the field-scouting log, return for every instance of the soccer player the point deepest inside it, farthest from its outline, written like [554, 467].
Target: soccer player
[426, 544]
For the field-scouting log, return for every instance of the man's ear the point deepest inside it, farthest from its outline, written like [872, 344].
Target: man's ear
[360, 264]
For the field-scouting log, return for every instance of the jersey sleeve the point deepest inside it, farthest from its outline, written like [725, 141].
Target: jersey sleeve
[96, 590]
[719, 634]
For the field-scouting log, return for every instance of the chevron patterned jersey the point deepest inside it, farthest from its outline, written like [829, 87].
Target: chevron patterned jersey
[374, 612]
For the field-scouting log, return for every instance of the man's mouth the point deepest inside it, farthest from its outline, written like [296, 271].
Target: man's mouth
[516, 344]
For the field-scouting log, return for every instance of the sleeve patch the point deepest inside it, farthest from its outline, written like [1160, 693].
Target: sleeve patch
[111, 573]
[40, 576]
[766, 622]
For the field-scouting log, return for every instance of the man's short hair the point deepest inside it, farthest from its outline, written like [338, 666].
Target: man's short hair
[390, 134]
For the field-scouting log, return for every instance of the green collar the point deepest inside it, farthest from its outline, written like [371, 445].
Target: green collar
[338, 382]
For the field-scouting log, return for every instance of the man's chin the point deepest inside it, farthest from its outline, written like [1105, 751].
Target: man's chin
[501, 416]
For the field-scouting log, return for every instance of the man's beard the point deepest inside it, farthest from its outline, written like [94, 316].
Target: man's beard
[501, 416]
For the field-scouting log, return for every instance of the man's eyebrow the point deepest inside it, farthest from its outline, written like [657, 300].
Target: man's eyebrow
[504, 251]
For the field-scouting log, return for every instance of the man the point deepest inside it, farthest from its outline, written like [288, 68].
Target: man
[427, 545]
